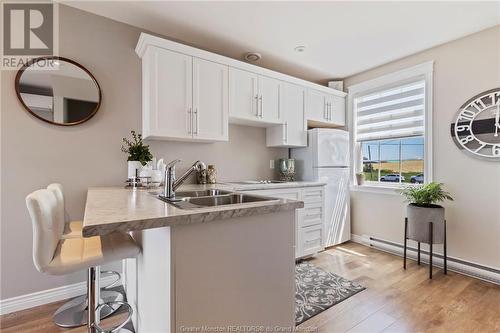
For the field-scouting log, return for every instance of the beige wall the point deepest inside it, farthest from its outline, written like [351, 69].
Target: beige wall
[34, 153]
[462, 69]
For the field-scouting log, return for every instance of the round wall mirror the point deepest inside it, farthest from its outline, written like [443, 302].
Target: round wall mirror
[58, 90]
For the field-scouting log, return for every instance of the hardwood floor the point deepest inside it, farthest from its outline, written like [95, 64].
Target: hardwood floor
[394, 301]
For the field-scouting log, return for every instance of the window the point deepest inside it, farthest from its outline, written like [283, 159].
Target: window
[395, 160]
[391, 122]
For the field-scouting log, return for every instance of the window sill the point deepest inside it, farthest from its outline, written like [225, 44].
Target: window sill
[375, 188]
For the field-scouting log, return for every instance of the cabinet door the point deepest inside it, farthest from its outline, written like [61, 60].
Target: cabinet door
[338, 110]
[167, 92]
[210, 87]
[294, 107]
[243, 94]
[316, 106]
[270, 94]
[293, 133]
[309, 239]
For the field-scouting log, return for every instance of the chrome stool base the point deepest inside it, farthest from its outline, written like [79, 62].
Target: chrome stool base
[96, 306]
[74, 312]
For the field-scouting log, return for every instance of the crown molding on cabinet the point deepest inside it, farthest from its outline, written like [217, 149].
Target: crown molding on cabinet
[146, 40]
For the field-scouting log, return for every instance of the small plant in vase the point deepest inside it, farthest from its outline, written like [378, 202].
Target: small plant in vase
[138, 153]
[423, 208]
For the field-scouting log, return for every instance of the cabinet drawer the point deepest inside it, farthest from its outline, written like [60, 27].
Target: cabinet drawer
[310, 239]
[313, 195]
[312, 215]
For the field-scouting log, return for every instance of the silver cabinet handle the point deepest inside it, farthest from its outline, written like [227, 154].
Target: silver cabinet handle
[286, 131]
[256, 105]
[195, 121]
[261, 107]
[329, 111]
[325, 112]
[190, 124]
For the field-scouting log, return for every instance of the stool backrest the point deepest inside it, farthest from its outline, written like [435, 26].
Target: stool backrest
[57, 189]
[47, 225]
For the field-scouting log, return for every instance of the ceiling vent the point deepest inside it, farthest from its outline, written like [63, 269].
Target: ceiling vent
[252, 56]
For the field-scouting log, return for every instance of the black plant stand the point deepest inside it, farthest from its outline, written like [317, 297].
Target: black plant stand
[431, 242]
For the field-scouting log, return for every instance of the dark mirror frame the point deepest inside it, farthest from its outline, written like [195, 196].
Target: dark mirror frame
[35, 60]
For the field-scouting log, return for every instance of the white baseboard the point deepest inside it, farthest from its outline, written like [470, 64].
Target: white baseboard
[461, 266]
[27, 301]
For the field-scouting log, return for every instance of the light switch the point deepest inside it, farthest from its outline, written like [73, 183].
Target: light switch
[271, 164]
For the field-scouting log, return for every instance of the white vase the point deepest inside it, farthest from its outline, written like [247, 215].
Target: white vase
[360, 178]
[132, 167]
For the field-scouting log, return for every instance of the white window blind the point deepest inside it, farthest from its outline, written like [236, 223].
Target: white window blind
[391, 113]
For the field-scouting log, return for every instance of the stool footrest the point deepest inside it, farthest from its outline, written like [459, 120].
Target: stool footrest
[114, 283]
[116, 328]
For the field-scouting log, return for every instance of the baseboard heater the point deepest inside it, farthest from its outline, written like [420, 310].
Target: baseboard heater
[465, 267]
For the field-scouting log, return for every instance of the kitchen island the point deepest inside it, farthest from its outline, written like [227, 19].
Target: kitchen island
[213, 267]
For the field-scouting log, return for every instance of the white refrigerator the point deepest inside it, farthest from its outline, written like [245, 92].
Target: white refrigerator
[326, 159]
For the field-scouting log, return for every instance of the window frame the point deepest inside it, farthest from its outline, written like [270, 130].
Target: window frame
[419, 72]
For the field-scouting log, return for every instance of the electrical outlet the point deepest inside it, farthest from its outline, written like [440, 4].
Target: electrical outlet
[271, 164]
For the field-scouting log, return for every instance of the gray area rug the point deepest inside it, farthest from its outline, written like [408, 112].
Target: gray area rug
[317, 290]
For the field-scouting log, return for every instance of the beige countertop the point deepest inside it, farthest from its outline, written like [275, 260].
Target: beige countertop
[238, 186]
[111, 209]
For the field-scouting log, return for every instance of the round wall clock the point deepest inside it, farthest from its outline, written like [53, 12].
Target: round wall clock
[476, 128]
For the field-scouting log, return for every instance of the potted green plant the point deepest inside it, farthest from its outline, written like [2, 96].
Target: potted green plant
[423, 208]
[138, 153]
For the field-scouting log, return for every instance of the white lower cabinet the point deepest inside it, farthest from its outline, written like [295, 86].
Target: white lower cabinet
[310, 240]
[309, 223]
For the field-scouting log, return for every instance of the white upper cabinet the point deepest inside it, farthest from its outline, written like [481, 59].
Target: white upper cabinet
[293, 132]
[316, 106]
[338, 111]
[210, 100]
[189, 94]
[325, 110]
[270, 100]
[254, 99]
[184, 98]
[167, 95]
[243, 94]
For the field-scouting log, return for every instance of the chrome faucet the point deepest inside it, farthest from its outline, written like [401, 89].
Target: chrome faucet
[171, 183]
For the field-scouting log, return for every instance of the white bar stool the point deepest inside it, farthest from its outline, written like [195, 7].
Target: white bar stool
[55, 255]
[74, 312]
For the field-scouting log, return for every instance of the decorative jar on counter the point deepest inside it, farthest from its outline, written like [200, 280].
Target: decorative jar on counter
[211, 174]
[201, 176]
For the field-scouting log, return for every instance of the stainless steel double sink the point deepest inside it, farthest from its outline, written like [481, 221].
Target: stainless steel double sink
[211, 198]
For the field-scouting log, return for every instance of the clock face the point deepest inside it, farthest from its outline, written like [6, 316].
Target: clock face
[476, 128]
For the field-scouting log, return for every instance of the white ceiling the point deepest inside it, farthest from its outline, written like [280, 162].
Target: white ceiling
[341, 38]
